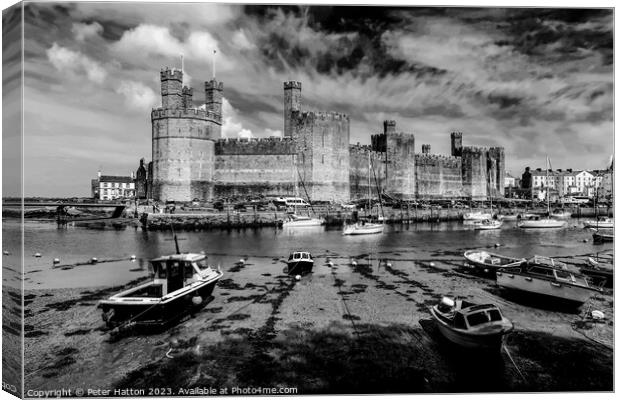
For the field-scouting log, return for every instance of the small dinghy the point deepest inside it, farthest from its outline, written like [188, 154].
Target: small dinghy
[486, 260]
[469, 325]
[487, 224]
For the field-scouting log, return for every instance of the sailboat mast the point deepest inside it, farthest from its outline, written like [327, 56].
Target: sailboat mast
[369, 201]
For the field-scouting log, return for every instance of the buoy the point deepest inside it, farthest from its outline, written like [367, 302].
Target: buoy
[197, 300]
[242, 261]
[93, 260]
[56, 260]
[585, 240]
[330, 263]
[5, 252]
[133, 257]
[297, 277]
[486, 270]
[432, 264]
[596, 314]
[37, 255]
[388, 264]
[497, 244]
[354, 262]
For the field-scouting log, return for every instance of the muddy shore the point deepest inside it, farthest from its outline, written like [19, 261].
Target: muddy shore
[361, 328]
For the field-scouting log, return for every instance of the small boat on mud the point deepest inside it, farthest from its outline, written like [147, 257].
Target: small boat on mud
[600, 223]
[299, 263]
[486, 260]
[548, 278]
[180, 284]
[487, 224]
[471, 326]
[601, 269]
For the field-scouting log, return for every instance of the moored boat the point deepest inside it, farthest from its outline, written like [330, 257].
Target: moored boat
[486, 260]
[549, 278]
[538, 222]
[362, 228]
[603, 235]
[560, 214]
[471, 326]
[476, 216]
[487, 224]
[600, 223]
[299, 263]
[180, 283]
[295, 220]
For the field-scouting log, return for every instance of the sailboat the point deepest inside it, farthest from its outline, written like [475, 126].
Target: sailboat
[364, 227]
[297, 221]
[546, 222]
[489, 223]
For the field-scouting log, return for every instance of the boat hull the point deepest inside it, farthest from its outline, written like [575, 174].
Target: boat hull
[156, 313]
[593, 224]
[303, 223]
[562, 292]
[368, 229]
[489, 342]
[479, 262]
[542, 224]
[299, 267]
[476, 216]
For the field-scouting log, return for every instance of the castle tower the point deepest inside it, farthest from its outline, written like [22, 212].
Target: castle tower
[426, 149]
[183, 151]
[292, 103]
[213, 96]
[389, 126]
[400, 162]
[171, 82]
[456, 147]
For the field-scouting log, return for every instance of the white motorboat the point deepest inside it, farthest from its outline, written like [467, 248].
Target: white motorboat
[600, 223]
[539, 222]
[295, 220]
[476, 216]
[486, 260]
[546, 277]
[362, 228]
[480, 327]
[180, 283]
[487, 224]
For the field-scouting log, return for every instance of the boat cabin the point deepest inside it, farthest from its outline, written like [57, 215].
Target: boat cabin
[549, 269]
[299, 256]
[466, 315]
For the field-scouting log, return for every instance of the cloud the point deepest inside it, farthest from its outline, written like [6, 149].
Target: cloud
[148, 40]
[137, 95]
[273, 133]
[82, 31]
[74, 62]
[232, 127]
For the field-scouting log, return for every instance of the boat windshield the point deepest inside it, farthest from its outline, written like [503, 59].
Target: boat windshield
[202, 264]
[484, 317]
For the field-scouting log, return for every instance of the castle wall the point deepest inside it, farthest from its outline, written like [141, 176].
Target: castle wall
[359, 171]
[322, 144]
[255, 167]
[498, 172]
[400, 169]
[474, 170]
[438, 176]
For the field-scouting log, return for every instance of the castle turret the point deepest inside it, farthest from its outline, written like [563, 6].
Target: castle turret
[389, 126]
[292, 103]
[171, 82]
[213, 96]
[187, 95]
[456, 146]
[426, 149]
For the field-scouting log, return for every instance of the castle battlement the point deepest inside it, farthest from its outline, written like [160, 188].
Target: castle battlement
[477, 150]
[194, 113]
[364, 149]
[403, 135]
[171, 73]
[292, 85]
[256, 146]
[214, 85]
[433, 160]
[324, 116]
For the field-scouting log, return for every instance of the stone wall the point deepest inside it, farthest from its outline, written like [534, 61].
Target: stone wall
[438, 176]
[498, 172]
[474, 170]
[400, 169]
[359, 171]
[322, 144]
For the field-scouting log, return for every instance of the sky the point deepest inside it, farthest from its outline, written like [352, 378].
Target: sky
[536, 81]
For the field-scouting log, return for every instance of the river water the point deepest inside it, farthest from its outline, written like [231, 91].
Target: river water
[75, 247]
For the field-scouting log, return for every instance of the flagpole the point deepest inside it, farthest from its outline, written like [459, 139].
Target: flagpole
[213, 64]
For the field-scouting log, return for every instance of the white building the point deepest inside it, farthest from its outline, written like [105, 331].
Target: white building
[109, 187]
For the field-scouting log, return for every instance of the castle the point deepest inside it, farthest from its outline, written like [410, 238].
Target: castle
[190, 159]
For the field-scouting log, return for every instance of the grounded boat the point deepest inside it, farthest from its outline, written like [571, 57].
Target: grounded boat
[180, 283]
[601, 223]
[295, 220]
[538, 222]
[362, 228]
[549, 278]
[602, 236]
[600, 269]
[472, 326]
[484, 259]
[476, 216]
[299, 263]
[487, 224]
